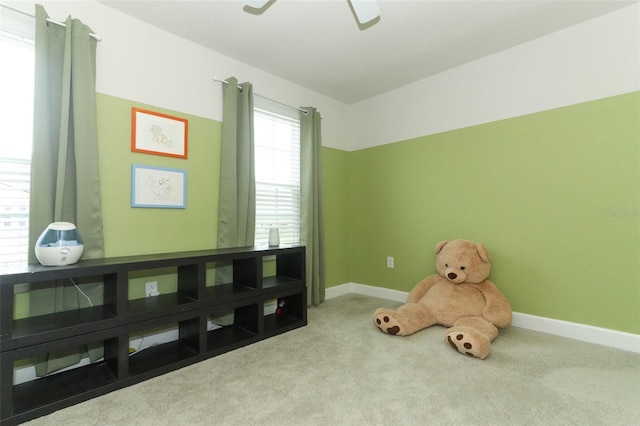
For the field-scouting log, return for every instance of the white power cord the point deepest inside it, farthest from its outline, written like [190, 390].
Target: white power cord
[81, 292]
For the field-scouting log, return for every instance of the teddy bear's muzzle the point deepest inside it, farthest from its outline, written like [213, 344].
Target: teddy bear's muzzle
[455, 277]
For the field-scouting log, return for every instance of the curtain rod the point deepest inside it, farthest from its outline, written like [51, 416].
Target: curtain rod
[304, 111]
[51, 21]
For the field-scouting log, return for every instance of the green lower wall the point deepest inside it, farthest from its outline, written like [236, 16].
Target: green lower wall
[555, 196]
[148, 230]
[336, 174]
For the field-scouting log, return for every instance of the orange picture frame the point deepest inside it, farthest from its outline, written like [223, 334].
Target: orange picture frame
[159, 134]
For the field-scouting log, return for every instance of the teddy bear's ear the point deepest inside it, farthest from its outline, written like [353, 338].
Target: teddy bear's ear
[483, 252]
[440, 245]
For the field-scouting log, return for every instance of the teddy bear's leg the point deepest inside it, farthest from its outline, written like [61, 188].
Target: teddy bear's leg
[408, 319]
[472, 336]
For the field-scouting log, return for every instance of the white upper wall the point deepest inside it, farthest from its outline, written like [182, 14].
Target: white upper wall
[593, 60]
[146, 64]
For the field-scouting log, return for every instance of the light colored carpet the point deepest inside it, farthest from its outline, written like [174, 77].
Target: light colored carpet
[341, 370]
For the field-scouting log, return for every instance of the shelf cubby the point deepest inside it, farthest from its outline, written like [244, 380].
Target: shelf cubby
[59, 325]
[279, 282]
[230, 336]
[61, 387]
[227, 292]
[240, 327]
[166, 356]
[163, 302]
[292, 316]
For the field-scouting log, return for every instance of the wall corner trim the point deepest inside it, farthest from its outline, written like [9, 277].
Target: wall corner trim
[586, 333]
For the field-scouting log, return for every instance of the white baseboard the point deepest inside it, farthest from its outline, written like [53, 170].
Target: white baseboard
[367, 290]
[586, 333]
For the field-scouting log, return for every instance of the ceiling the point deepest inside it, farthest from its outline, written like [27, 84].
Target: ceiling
[319, 44]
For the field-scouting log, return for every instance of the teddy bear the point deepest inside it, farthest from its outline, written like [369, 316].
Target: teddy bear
[459, 296]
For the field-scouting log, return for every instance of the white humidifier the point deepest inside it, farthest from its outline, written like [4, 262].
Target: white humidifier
[60, 244]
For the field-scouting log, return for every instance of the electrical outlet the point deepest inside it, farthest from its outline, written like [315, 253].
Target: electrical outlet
[151, 288]
[389, 262]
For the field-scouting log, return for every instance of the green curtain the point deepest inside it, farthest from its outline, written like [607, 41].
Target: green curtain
[311, 221]
[65, 184]
[237, 209]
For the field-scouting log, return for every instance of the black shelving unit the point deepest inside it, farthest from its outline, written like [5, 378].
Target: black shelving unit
[113, 323]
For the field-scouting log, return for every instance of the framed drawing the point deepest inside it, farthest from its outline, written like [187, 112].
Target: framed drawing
[159, 134]
[158, 187]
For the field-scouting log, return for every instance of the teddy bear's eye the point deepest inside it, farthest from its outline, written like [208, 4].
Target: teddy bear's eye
[462, 268]
[446, 265]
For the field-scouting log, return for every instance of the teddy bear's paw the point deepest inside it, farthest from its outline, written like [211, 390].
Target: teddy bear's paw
[385, 320]
[469, 344]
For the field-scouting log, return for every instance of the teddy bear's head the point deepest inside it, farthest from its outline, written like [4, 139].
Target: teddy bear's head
[462, 261]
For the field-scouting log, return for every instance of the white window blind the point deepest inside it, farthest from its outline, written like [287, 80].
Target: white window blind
[16, 109]
[277, 169]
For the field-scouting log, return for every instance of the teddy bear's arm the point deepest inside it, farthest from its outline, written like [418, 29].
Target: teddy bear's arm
[421, 289]
[497, 309]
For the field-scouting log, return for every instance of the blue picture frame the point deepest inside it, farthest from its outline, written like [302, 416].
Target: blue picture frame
[158, 187]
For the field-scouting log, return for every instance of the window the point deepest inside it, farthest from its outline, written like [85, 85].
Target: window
[277, 168]
[16, 110]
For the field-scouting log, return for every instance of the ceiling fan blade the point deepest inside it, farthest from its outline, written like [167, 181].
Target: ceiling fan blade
[365, 10]
[256, 4]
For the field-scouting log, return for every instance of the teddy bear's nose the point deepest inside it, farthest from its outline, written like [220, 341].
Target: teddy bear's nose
[452, 276]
